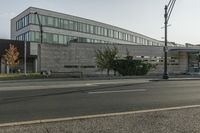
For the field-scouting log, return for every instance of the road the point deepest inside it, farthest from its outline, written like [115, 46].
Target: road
[24, 101]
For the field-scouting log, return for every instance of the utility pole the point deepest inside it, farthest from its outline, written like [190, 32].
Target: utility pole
[168, 11]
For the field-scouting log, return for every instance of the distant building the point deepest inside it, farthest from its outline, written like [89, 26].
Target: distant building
[69, 42]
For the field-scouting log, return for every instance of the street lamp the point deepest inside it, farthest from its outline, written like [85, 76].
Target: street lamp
[25, 57]
[168, 11]
[41, 30]
[41, 39]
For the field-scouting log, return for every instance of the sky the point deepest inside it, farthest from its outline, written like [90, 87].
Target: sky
[142, 16]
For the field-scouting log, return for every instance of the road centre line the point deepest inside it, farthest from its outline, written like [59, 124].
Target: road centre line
[120, 91]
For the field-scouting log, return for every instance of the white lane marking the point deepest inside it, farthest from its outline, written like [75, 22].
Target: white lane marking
[96, 116]
[120, 91]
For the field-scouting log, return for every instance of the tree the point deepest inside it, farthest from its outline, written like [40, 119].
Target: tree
[105, 58]
[11, 56]
[129, 67]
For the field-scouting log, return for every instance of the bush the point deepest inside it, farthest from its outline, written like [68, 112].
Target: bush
[132, 67]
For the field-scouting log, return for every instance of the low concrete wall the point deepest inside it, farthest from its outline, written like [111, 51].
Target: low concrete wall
[171, 120]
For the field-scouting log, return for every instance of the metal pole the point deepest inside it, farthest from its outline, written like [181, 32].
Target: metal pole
[41, 31]
[168, 11]
[25, 57]
[165, 75]
[41, 40]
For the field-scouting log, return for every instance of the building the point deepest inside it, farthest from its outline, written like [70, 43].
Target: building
[61, 28]
[69, 42]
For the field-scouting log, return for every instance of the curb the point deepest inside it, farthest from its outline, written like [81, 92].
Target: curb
[175, 79]
[95, 116]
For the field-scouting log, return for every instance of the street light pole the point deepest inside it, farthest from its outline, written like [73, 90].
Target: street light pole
[24, 57]
[41, 30]
[168, 11]
[41, 40]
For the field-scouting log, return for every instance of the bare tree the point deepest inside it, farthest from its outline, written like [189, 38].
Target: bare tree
[11, 56]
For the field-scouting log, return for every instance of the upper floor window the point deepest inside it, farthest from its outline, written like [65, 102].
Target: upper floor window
[21, 23]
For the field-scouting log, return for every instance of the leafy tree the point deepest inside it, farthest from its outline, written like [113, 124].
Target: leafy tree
[105, 58]
[11, 56]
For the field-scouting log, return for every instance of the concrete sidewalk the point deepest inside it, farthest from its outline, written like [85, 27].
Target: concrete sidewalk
[168, 120]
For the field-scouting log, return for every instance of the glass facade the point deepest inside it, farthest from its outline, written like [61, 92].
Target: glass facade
[23, 22]
[51, 38]
[59, 23]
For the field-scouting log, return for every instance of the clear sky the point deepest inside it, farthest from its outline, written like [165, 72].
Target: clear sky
[142, 16]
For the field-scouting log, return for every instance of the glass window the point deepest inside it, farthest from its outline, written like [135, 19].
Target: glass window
[84, 28]
[110, 33]
[131, 38]
[120, 36]
[43, 20]
[55, 22]
[44, 37]
[147, 42]
[40, 18]
[37, 36]
[101, 30]
[50, 21]
[75, 26]
[61, 39]
[116, 34]
[25, 21]
[105, 32]
[150, 43]
[71, 25]
[61, 23]
[123, 36]
[65, 39]
[136, 39]
[79, 26]
[17, 25]
[22, 21]
[49, 38]
[91, 29]
[88, 28]
[33, 18]
[55, 38]
[30, 18]
[66, 24]
[31, 36]
[27, 36]
[96, 30]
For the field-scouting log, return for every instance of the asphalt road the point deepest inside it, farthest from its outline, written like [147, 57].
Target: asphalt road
[20, 101]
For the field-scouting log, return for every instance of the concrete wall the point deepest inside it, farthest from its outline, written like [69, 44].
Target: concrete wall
[59, 58]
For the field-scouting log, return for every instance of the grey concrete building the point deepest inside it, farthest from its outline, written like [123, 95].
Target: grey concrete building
[69, 42]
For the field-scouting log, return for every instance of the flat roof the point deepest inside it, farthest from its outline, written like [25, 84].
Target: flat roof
[184, 50]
